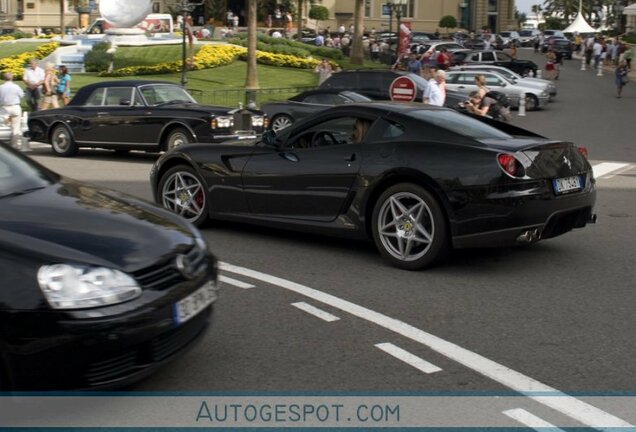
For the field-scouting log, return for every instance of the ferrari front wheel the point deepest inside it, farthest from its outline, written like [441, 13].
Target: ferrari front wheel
[182, 191]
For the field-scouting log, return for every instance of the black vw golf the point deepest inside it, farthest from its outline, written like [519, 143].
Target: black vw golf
[416, 180]
[97, 289]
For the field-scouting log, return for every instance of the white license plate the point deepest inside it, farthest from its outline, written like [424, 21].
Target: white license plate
[187, 308]
[567, 184]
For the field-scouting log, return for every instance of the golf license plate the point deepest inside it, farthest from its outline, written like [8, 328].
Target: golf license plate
[567, 184]
[187, 308]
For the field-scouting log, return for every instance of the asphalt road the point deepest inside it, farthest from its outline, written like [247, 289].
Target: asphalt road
[556, 315]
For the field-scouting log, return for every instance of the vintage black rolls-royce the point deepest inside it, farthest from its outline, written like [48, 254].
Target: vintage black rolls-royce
[139, 115]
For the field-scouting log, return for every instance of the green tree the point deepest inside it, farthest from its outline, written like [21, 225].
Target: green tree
[520, 17]
[447, 22]
[318, 13]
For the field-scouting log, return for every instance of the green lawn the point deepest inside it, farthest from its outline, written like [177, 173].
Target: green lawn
[8, 49]
[148, 55]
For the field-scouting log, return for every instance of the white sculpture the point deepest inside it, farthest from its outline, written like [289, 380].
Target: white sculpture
[124, 13]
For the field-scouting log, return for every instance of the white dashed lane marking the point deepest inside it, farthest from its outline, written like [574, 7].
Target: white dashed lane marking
[234, 282]
[605, 168]
[325, 316]
[531, 420]
[408, 358]
[535, 390]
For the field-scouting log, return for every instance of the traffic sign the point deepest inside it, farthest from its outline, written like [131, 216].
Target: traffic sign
[403, 89]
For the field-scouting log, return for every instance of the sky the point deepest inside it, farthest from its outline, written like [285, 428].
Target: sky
[525, 5]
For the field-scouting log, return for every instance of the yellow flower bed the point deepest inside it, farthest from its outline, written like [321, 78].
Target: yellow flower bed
[211, 56]
[6, 38]
[17, 63]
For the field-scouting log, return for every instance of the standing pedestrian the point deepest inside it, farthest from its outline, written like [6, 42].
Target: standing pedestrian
[290, 23]
[414, 65]
[10, 98]
[64, 86]
[33, 77]
[597, 49]
[324, 71]
[628, 55]
[620, 78]
[49, 88]
[480, 80]
[550, 60]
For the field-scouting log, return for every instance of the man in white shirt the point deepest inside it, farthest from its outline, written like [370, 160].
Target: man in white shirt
[597, 49]
[10, 96]
[33, 77]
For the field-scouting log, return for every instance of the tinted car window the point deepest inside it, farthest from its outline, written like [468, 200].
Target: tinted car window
[340, 128]
[96, 98]
[460, 124]
[322, 99]
[118, 95]
[19, 176]
[487, 56]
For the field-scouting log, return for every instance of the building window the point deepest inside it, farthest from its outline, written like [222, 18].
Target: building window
[19, 13]
[492, 5]
[4, 7]
[367, 8]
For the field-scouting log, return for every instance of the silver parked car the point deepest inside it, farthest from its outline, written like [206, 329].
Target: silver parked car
[513, 76]
[464, 81]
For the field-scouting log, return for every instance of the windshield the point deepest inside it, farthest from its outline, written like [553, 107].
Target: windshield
[460, 124]
[525, 33]
[19, 176]
[504, 34]
[165, 93]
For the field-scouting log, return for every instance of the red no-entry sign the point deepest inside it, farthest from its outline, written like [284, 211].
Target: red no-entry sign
[403, 89]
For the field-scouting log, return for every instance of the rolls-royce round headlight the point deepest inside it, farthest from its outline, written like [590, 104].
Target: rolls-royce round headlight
[70, 286]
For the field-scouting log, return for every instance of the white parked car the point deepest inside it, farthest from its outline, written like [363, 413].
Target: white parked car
[508, 37]
[513, 76]
[463, 81]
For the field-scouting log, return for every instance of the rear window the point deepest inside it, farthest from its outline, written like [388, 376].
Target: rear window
[459, 124]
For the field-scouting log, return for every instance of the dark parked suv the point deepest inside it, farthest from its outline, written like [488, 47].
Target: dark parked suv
[560, 46]
[375, 84]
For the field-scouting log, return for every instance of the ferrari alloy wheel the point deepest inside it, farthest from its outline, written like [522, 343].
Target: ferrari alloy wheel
[281, 122]
[62, 142]
[176, 138]
[409, 227]
[181, 191]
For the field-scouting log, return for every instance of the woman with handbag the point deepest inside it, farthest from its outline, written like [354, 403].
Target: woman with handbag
[49, 87]
[620, 77]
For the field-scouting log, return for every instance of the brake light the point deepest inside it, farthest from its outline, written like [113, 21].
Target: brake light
[510, 165]
[583, 151]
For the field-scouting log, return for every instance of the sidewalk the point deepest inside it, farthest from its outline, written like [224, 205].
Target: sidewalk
[607, 69]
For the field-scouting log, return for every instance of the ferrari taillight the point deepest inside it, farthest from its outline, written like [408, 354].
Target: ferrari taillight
[510, 165]
[583, 151]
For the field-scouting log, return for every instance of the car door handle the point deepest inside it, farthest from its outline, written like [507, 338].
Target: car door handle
[461, 87]
[350, 158]
[102, 114]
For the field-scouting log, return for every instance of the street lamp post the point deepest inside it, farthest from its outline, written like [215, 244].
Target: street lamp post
[398, 5]
[389, 5]
[185, 8]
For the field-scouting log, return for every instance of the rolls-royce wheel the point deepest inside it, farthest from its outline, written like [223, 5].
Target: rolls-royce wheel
[62, 142]
[281, 122]
[176, 138]
[183, 192]
[409, 227]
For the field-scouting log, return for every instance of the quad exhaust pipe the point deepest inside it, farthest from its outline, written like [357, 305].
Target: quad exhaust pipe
[529, 236]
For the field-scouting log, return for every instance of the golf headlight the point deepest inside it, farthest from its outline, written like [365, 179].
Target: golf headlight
[545, 93]
[68, 286]
[258, 121]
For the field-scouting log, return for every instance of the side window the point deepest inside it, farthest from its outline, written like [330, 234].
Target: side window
[475, 57]
[385, 130]
[96, 98]
[137, 100]
[492, 80]
[487, 56]
[343, 81]
[117, 96]
[337, 131]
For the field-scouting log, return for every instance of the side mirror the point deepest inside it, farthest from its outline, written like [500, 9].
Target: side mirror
[269, 138]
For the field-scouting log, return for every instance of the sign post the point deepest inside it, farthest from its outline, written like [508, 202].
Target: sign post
[403, 89]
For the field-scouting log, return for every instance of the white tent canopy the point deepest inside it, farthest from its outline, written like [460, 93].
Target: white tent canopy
[579, 25]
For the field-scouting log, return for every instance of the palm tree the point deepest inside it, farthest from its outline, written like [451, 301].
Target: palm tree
[251, 82]
[357, 54]
[566, 8]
